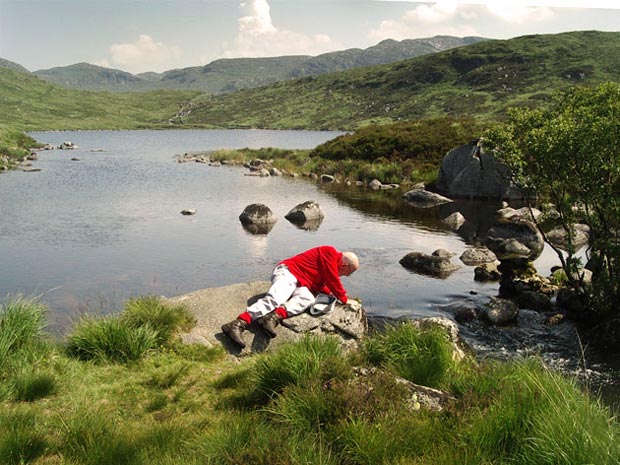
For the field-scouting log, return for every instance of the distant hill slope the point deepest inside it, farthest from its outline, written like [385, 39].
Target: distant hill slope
[481, 79]
[229, 75]
[85, 76]
[27, 103]
[14, 66]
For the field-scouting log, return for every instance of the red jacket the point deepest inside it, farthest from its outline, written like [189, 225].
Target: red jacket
[317, 269]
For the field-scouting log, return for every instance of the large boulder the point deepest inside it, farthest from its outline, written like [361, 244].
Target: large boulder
[215, 306]
[467, 171]
[257, 213]
[519, 239]
[306, 211]
[558, 236]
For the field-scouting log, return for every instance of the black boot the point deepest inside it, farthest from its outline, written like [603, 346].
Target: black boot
[234, 329]
[270, 322]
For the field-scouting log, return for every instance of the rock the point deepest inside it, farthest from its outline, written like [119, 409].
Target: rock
[477, 256]
[67, 146]
[459, 347]
[443, 253]
[32, 157]
[375, 184]
[432, 265]
[559, 236]
[454, 221]
[515, 239]
[467, 171]
[421, 397]
[327, 178]
[215, 306]
[487, 272]
[75, 158]
[189, 211]
[523, 213]
[421, 198]
[500, 311]
[304, 212]
[30, 170]
[534, 301]
[257, 213]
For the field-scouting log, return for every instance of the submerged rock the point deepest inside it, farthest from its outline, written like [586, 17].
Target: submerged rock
[421, 198]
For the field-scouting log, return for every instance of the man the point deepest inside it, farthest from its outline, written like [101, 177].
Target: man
[294, 283]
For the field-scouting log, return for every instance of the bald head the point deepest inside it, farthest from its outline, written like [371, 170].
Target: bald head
[350, 263]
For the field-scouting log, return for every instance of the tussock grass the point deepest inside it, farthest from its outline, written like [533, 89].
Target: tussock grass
[295, 363]
[21, 328]
[20, 440]
[92, 438]
[33, 385]
[164, 319]
[145, 324]
[421, 356]
[110, 339]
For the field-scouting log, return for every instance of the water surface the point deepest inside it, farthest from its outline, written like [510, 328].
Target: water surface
[88, 234]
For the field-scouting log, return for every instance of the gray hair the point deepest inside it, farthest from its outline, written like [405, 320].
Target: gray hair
[351, 259]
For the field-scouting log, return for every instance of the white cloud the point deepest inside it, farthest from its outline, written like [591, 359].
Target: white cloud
[258, 37]
[144, 54]
[451, 17]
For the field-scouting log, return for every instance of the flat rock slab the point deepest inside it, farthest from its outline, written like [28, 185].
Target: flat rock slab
[215, 306]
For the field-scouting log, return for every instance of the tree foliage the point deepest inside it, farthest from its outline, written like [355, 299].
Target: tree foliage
[570, 154]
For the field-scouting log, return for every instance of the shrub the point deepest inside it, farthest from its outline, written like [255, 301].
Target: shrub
[423, 141]
[561, 152]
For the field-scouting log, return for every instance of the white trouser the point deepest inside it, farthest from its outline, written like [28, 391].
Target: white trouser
[283, 292]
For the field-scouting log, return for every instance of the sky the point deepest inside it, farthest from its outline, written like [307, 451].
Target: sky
[159, 35]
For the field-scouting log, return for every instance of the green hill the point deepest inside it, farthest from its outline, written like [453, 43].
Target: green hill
[230, 75]
[481, 80]
[27, 103]
[85, 76]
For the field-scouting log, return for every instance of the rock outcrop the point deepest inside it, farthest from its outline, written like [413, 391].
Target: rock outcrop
[216, 306]
[468, 172]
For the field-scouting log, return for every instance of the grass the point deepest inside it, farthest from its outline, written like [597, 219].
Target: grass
[14, 146]
[178, 404]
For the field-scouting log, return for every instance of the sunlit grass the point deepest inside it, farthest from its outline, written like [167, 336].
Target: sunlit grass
[303, 403]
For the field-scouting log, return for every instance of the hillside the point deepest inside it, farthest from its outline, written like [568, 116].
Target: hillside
[230, 75]
[85, 76]
[27, 103]
[481, 80]
[14, 66]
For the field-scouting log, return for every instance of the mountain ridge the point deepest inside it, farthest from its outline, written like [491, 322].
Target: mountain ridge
[233, 74]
